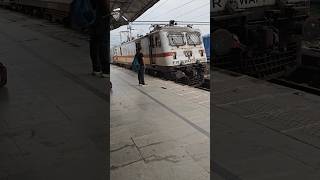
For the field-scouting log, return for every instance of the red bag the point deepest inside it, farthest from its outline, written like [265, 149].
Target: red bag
[3, 75]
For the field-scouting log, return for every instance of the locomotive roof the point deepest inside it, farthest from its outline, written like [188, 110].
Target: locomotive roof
[178, 29]
[167, 29]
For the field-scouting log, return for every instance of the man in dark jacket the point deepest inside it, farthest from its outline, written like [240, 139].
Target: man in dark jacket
[99, 50]
[139, 56]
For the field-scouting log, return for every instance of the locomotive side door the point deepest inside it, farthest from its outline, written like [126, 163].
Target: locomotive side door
[138, 45]
[152, 50]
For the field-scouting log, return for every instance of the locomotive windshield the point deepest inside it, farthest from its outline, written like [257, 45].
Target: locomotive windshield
[176, 39]
[193, 38]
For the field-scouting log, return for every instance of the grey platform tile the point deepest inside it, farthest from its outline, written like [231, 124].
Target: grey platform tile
[123, 122]
[215, 176]
[191, 139]
[306, 153]
[176, 128]
[299, 150]
[252, 107]
[205, 125]
[173, 126]
[180, 107]
[119, 144]
[124, 156]
[127, 103]
[199, 117]
[309, 134]
[197, 111]
[200, 153]
[168, 149]
[240, 94]
[136, 171]
[135, 113]
[231, 121]
[12, 95]
[288, 120]
[8, 152]
[66, 163]
[30, 112]
[166, 169]
[152, 139]
[256, 144]
[120, 131]
[28, 175]
[129, 118]
[148, 128]
[219, 85]
[40, 141]
[267, 104]
[261, 164]
[133, 127]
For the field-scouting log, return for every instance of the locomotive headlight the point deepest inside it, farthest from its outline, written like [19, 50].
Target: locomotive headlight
[174, 55]
[201, 53]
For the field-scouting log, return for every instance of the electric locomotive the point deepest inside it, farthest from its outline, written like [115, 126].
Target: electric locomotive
[258, 38]
[174, 52]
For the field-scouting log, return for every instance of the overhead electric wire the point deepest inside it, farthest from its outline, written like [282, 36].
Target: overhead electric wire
[195, 9]
[168, 21]
[154, 8]
[158, 14]
[203, 15]
[199, 24]
[178, 7]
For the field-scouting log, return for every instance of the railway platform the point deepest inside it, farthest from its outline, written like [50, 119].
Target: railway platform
[52, 112]
[158, 131]
[264, 131]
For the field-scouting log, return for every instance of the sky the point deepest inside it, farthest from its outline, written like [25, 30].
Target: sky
[165, 10]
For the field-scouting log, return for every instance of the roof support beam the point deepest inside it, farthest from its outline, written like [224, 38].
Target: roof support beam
[130, 9]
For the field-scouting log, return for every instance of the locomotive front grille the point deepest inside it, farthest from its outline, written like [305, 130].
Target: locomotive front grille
[263, 66]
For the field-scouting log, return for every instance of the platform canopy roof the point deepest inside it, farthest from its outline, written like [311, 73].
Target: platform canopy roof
[125, 11]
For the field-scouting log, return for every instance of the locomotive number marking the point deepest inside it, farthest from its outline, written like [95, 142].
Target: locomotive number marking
[248, 2]
[176, 62]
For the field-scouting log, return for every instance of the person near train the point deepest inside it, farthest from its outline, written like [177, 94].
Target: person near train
[98, 40]
[93, 15]
[141, 70]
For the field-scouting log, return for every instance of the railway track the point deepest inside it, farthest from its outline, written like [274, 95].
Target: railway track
[307, 77]
[204, 86]
[299, 86]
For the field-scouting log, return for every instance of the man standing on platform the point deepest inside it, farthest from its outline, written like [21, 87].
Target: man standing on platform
[98, 40]
[141, 70]
[93, 15]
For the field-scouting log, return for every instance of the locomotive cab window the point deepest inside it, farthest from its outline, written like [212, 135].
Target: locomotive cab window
[193, 38]
[176, 39]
